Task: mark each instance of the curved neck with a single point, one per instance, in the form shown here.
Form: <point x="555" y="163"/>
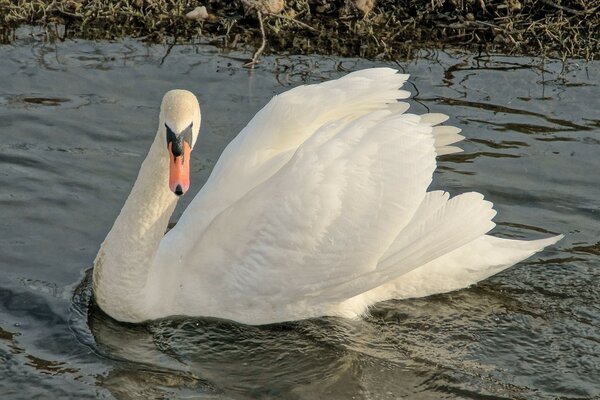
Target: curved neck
<point x="122" y="264"/>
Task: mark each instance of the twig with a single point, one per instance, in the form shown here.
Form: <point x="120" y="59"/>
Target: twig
<point x="252" y="63"/>
<point x="302" y="24"/>
<point x="162" y="60"/>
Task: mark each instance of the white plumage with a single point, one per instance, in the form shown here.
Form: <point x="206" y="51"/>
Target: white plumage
<point x="318" y="207"/>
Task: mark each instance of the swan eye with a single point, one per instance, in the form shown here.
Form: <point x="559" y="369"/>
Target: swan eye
<point x="177" y="140"/>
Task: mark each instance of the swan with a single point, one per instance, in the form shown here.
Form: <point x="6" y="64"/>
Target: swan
<point x="319" y="207"/>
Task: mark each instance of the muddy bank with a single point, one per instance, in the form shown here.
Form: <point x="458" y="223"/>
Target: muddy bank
<point x="385" y="29"/>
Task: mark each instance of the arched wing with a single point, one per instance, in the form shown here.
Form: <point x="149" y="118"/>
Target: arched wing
<point x="325" y="217"/>
<point x="311" y="193"/>
<point x="274" y="134"/>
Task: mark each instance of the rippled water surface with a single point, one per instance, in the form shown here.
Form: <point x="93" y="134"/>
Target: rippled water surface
<point x="76" y="119"/>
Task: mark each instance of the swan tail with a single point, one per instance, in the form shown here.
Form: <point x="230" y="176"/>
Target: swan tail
<point x="443" y="248"/>
<point x="479" y="260"/>
<point x="468" y="265"/>
<point x="461" y="268"/>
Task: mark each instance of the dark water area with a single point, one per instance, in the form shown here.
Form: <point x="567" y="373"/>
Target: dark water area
<point x="76" y="120"/>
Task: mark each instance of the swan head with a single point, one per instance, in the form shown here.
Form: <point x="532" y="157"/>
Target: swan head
<point x="179" y="127"/>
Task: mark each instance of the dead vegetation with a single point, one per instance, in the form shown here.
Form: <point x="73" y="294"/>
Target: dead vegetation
<point x="366" y="28"/>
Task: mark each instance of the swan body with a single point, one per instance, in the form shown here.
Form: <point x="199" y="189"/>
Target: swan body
<point x="318" y="207"/>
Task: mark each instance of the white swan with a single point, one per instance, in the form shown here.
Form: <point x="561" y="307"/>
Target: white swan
<point x="318" y="207"/>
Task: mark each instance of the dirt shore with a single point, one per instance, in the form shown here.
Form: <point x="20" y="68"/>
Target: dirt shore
<point x="385" y="29"/>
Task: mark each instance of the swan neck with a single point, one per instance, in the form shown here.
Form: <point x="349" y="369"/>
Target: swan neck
<point x="123" y="262"/>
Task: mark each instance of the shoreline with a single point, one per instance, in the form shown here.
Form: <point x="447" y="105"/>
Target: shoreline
<point x="388" y="30"/>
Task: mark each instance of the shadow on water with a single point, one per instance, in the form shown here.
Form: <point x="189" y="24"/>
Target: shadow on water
<point x="76" y="119"/>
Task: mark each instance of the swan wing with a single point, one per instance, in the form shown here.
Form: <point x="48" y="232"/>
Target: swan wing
<point x="438" y="226"/>
<point x="274" y="134"/>
<point x="271" y="137"/>
<point x="310" y="195"/>
<point x="323" y="219"/>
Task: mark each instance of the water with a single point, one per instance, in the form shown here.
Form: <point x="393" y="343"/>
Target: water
<point x="76" y="119"/>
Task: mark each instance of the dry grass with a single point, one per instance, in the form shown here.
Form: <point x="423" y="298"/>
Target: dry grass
<point x="393" y="28"/>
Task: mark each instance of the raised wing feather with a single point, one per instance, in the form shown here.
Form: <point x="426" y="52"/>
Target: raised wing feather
<point x="273" y="135"/>
<point x="439" y="226"/>
<point x="326" y="217"/>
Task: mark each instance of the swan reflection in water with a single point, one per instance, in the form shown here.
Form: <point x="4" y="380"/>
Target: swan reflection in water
<point x="399" y="348"/>
<point x="217" y="357"/>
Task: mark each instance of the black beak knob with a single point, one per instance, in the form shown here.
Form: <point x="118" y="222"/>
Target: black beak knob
<point x="178" y="190"/>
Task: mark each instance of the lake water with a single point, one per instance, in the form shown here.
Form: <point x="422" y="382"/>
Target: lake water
<point x="76" y="119"/>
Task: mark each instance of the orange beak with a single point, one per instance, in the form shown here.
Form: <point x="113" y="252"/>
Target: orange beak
<point x="179" y="170"/>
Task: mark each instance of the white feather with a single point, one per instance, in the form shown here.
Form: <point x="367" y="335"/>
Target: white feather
<point x="444" y="150"/>
<point x="433" y="118"/>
